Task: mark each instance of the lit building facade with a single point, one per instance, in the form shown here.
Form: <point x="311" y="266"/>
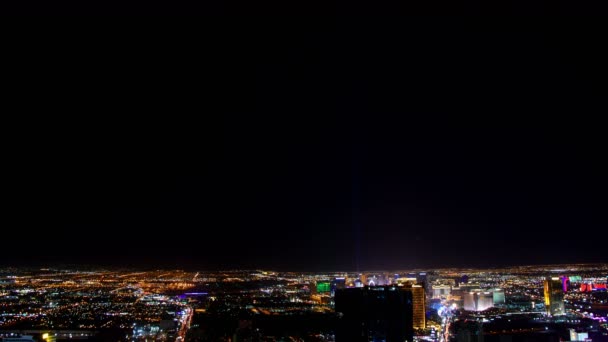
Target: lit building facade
<point x="498" y="296"/>
<point x="323" y="287"/>
<point x="440" y="291"/>
<point x="478" y="300"/>
<point x="419" y="306"/>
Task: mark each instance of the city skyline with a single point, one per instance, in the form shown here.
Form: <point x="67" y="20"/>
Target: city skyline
<point x="540" y="303"/>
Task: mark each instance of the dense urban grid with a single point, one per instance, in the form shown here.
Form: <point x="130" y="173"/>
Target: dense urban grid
<point x="528" y="303"/>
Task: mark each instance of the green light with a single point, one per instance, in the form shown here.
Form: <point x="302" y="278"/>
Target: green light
<point x="323" y="287"/>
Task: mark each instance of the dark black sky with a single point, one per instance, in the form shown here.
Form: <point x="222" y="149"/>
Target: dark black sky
<point x="386" y="144"/>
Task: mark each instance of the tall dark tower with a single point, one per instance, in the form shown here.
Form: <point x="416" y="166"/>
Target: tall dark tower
<point x="423" y="278"/>
<point x="554" y="296"/>
<point x="374" y="313"/>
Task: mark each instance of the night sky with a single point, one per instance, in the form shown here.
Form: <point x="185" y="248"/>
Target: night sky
<point x="395" y="144"/>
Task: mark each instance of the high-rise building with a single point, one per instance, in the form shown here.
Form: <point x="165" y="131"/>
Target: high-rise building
<point x="485" y="300"/>
<point x="323" y="287"/>
<point x="419" y="306"/>
<point x="424" y="280"/>
<point x="418" y="300"/>
<point x="469" y="301"/>
<point x="312" y="287"/>
<point x="565" y="283"/>
<point x="338" y="283"/>
<point x="554" y="296"/>
<point x="440" y="291"/>
<point x="499" y="296"/>
<point x="478" y="300"/>
<point x="406" y="281"/>
<point x="379" y="313"/>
